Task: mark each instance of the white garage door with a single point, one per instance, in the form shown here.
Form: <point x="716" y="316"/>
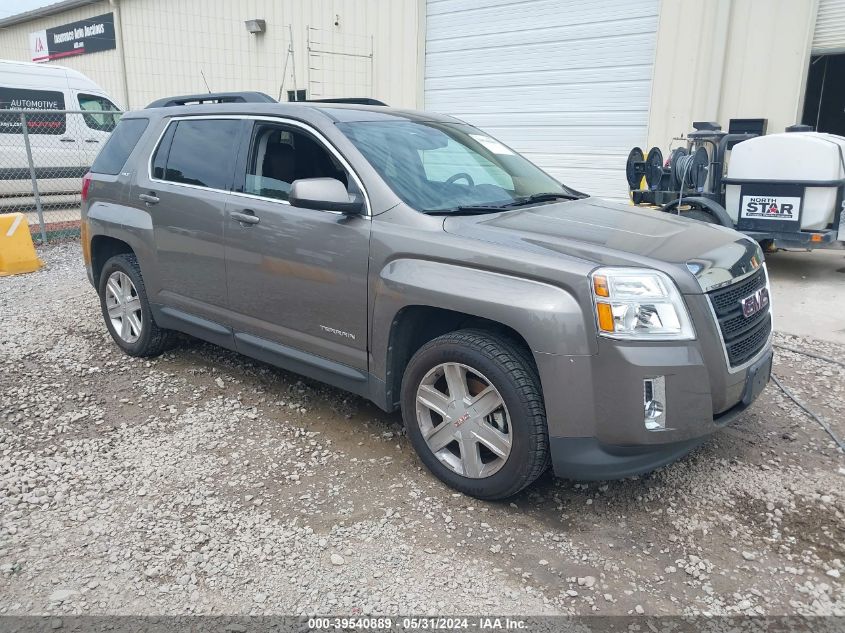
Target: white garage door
<point x="829" y="36"/>
<point x="565" y="82"/>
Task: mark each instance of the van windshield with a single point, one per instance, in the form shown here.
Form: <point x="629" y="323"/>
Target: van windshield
<point x="438" y="167"/>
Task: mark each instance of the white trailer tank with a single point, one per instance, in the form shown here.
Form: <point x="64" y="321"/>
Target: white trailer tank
<point x="789" y="158"/>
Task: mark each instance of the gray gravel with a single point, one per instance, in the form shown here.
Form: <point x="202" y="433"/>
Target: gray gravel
<point x="203" y="482"/>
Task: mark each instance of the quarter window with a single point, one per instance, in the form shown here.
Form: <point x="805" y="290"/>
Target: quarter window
<point x="201" y="152"/>
<point x="116" y="151"/>
<point x="104" y="114"/>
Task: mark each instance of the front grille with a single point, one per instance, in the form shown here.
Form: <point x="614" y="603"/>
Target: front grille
<point x="744" y="337"/>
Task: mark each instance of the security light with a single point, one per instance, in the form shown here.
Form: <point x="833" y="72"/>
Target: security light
<point x="255" y="26"/>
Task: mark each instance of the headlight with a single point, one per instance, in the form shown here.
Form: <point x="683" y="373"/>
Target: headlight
<point x="639" y="304"/>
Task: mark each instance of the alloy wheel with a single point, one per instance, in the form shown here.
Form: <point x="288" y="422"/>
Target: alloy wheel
<point x="124" y="307"/>
<point x="464" y="420"/>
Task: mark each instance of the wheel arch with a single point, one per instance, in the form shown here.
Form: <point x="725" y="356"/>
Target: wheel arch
<point x="416" y="301"/>
<point x="103" y="248"/>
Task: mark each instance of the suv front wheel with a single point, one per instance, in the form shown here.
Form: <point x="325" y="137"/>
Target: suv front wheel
<point x="474" y="412"/>
<point x="123" y="300"/>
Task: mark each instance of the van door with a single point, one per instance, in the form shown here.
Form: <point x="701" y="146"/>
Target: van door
<point x="55" y="151"/>
<point x="93" y="130"/>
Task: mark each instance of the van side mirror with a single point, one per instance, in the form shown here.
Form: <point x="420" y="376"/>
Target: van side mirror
<point x="324" y="194"/>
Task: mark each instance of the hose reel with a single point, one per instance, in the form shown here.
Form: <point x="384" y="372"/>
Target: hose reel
<point x="689" y="171"/>
<point x="638" y="166"/>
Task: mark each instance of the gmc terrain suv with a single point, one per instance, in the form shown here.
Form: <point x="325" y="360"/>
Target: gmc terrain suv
<point x="414" y="260"/>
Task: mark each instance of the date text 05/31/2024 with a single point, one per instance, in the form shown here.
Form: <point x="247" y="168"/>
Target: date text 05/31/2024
<point x="483" y="623"/>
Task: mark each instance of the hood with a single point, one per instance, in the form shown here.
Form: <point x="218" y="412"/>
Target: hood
<point x="699" y="256"/>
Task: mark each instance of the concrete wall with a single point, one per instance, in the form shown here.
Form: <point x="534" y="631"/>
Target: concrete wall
<point x="724" y="59"/>
<point x="170" y="44"/>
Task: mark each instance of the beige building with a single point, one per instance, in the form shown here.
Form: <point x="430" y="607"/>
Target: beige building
<point x="328" y="48"/>
<point x="573" y="84"/>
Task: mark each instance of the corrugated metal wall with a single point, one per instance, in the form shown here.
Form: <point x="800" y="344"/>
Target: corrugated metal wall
<point x="829" y="36"/>
<point x="170" y="44"/>
<point x="566" y="82"/>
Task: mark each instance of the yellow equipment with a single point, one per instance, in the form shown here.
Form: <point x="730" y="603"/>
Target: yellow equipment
<point x="17" y="253"/>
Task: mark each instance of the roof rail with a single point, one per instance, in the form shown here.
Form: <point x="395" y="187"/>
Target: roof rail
<point x="213" y="97"/>
<point x="351" y="100"/>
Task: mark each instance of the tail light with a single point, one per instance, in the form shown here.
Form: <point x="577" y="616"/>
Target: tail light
<point x="86" y="183"/>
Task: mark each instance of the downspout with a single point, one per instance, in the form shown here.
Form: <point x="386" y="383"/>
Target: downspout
<point x="118" y="27"/>
<point x="421" y="37"/>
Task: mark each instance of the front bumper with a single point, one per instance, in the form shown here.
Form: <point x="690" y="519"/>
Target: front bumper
<point x="588" y="459"/>
<point x="809" y="240"/>
<point x="595" y="404"/>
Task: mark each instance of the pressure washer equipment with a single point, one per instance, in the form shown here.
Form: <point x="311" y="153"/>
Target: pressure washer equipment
<point x="781" y="189"/>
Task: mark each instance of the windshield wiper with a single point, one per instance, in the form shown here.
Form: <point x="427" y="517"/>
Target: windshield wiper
<point x="467" y="209"/>
<point x="475" y="209"/>
<point x="542" y="197"/>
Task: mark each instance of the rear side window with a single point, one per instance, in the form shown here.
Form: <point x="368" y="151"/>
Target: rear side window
<point x="201" y="153"/>
<point x="122" y="141"/>
<point x="36" y="123"/>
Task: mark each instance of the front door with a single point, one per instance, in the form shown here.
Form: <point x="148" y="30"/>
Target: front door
<point x="296" y="276"/>
<point x="192" y="171"/>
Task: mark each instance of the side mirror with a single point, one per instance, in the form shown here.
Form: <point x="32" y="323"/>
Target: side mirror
<point x="323" y="194"/>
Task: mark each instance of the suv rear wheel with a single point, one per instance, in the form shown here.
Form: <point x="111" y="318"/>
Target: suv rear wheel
<point x="474" y="413"/>
<point x="123" y="300"/>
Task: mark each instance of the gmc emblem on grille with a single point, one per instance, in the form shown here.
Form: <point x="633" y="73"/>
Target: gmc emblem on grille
<point x="752" y="304"/>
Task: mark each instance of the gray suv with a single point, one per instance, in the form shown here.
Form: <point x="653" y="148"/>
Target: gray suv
<point x="413" y="260"/>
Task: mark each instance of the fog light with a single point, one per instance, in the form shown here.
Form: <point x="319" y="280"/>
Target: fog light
<point x="654" y="403"/>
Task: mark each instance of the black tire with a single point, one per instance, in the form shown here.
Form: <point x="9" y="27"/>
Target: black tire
<point x="512" y="372"/>
<point x="153" y="340"/>
<point x="700" y="215"/>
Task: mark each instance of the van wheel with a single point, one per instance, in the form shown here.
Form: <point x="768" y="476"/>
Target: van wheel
<point x="123" y="300"/>
<point x="474" y="412"/>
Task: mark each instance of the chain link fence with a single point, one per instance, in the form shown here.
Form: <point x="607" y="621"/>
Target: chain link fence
<point x="43" y="156"/>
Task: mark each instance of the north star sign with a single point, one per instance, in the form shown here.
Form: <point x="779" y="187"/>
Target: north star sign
<point x="77" y="38"/>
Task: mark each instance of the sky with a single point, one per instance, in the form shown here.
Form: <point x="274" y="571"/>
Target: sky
<point x="12" y="7"/>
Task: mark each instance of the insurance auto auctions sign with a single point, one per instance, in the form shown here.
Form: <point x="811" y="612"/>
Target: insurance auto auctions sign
<point x="77" y="38"/>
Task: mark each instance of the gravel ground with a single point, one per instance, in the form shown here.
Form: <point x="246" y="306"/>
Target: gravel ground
<point x="203" y="482"/>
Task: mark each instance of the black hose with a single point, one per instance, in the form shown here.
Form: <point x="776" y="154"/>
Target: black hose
<point x="804" y="408"/>
<point x="794" y="350"/>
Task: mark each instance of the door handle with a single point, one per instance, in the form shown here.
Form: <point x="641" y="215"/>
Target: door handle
<point x="91" y="140"/>
<point x="68" y="140"/>
<point x="148" y="198"/>
<point x="247" y="217"/>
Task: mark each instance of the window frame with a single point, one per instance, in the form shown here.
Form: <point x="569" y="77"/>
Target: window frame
<point x="240" y="158"/>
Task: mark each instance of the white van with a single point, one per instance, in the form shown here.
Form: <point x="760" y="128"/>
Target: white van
<point x="63" y="145"/>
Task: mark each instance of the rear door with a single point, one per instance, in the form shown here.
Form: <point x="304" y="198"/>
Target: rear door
<point x="185" y="188"/>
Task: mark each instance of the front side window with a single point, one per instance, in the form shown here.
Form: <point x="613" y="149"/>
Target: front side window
<point x="436" y="167"/>
<point x="103" y="116"/>
<point x="200" y="152"/>
<point x="280" y="154"/>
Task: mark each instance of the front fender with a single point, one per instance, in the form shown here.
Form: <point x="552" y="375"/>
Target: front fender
<point x="549" y="318"/>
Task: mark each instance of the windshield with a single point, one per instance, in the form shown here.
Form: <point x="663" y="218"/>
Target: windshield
<point x="438" y="167"/>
